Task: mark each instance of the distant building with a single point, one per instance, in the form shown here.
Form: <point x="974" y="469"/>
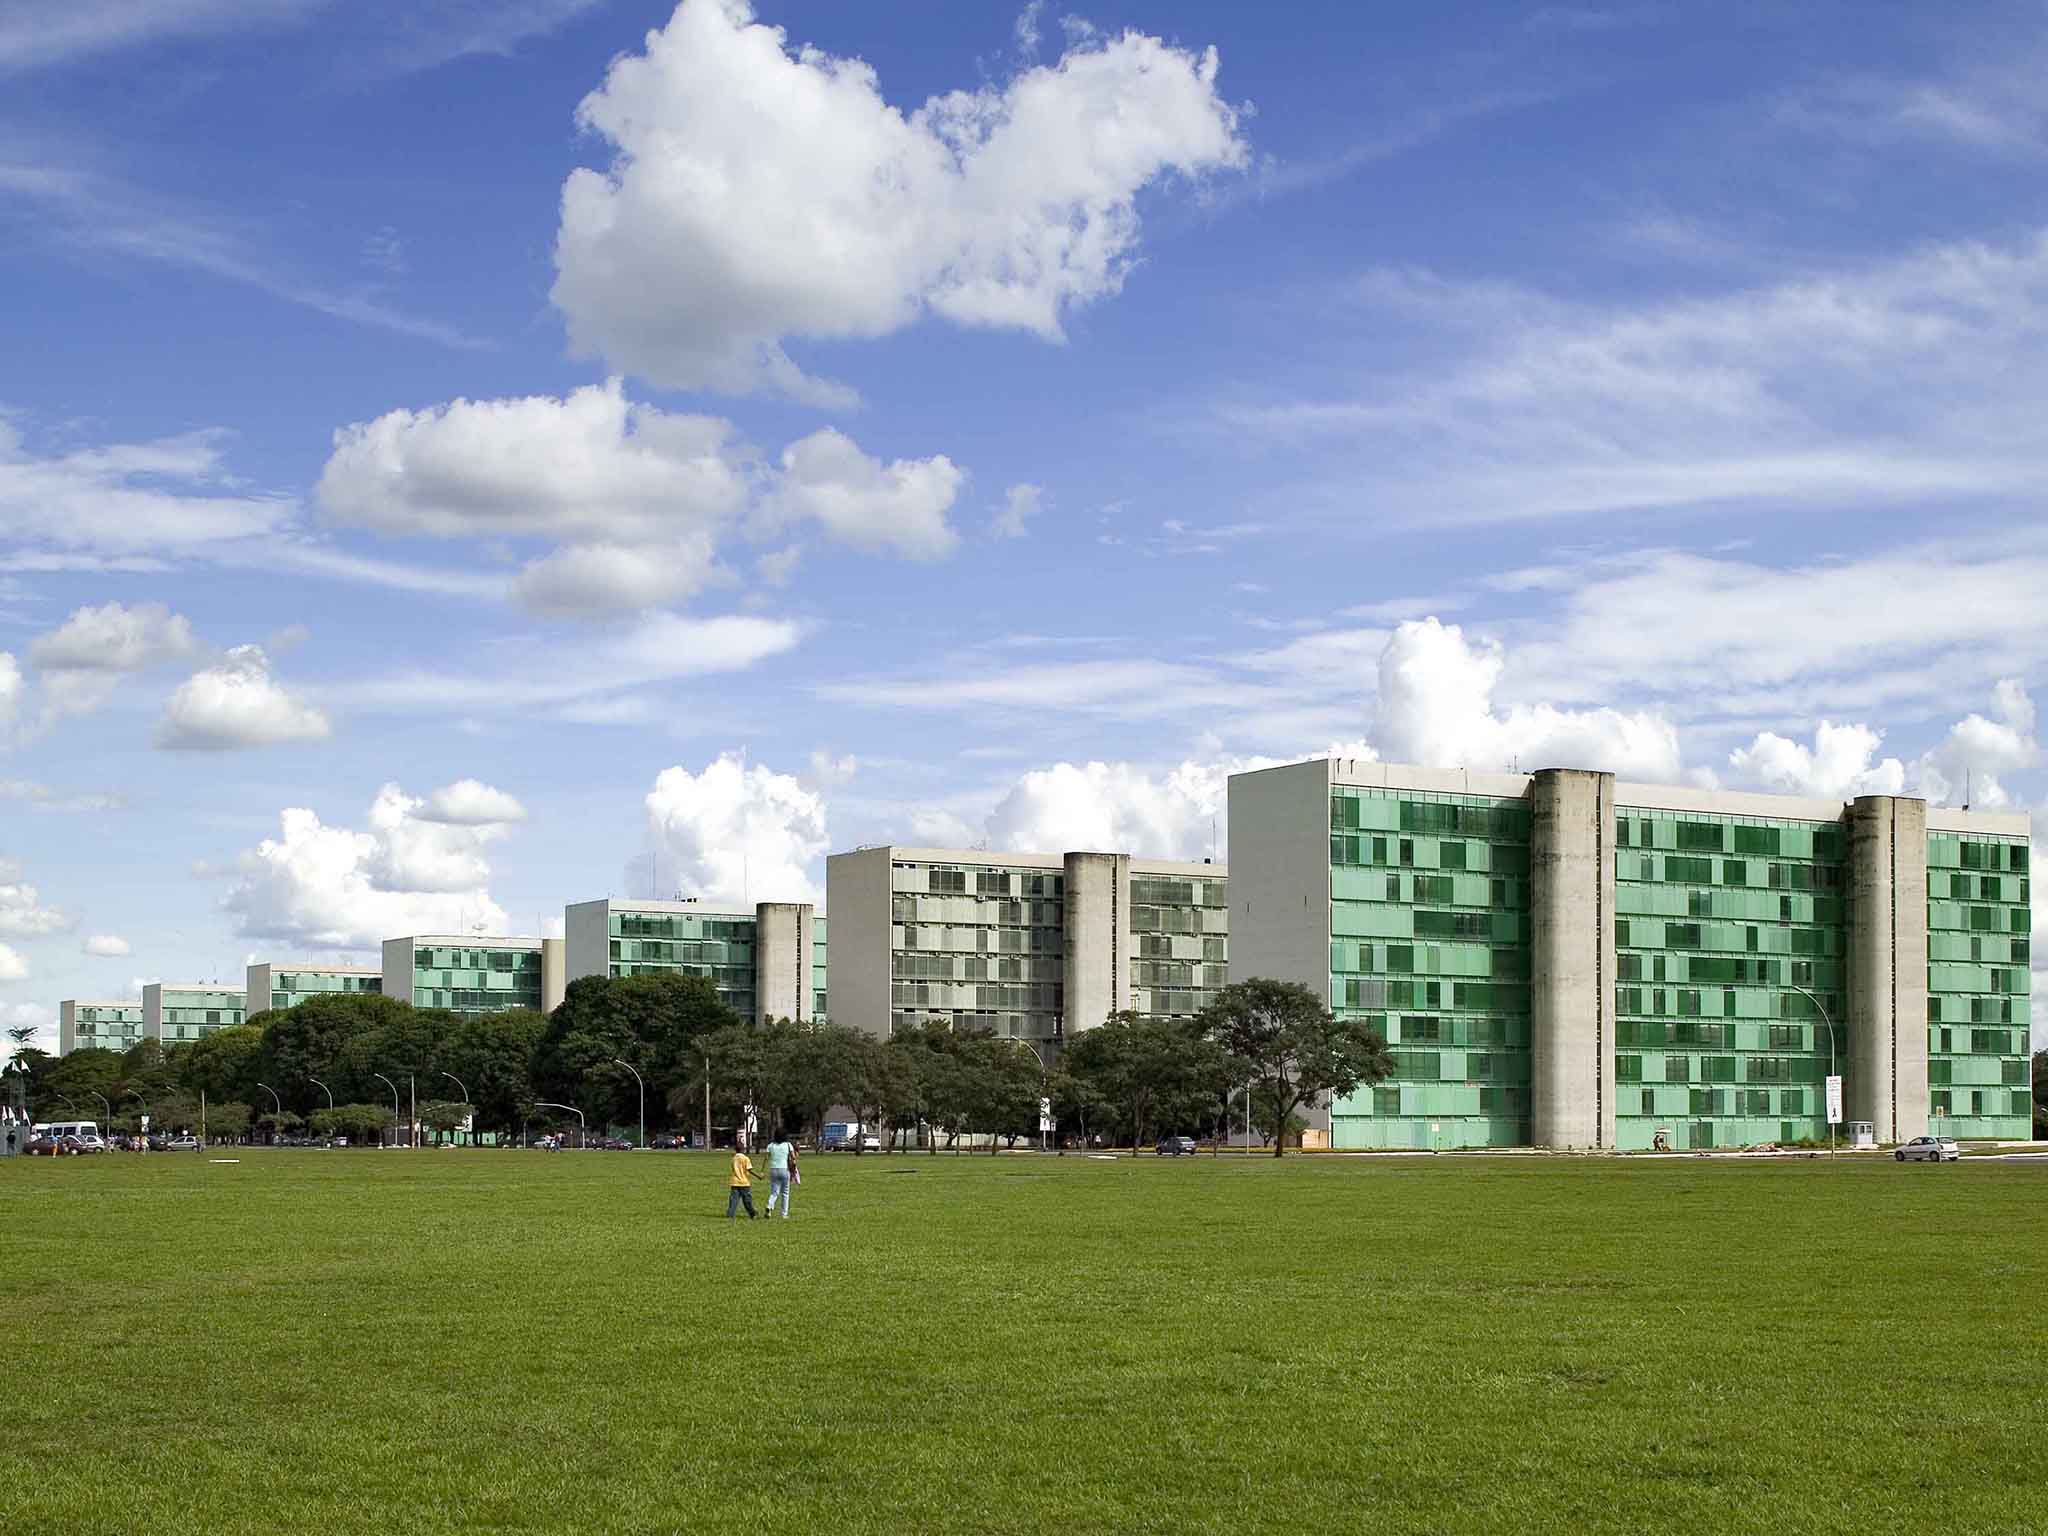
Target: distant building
<point x="1561" y="960"/>
<point x="179" y="1012"/>
<point x="272" y="985"/>
<point x="766" y="961"/>
<point x="471" y="973"/>
<point x="84" y="1024"/>
<point x="1035" y="945"/>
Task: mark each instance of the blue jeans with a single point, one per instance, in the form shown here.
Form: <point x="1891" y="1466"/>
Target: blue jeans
<point x="778" y="1189"/>
<point x="741" y="1195"/>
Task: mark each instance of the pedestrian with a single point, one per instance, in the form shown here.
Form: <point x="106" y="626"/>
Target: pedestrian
<point x="781" y="1173"/>
<point x="743" y="1177"/>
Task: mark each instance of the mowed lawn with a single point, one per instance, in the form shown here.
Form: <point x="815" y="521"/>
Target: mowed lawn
<point x="451" y="1341"/>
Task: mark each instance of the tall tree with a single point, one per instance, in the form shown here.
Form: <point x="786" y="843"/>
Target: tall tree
<point x="1293" y="1047"/>
<point x="226" y="1066"/>
<point x="654" y="1022"/>
<point x="1144" y="1065"/>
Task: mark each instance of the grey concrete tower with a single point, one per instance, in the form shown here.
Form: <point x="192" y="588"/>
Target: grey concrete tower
<point x="1571" y="960"/>
<point x="1097" y="970"/>
<point x="1887" y="965"/>
<point x="783" y="961"/>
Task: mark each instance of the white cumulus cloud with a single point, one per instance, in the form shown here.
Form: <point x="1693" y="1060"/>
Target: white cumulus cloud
<point x="1977" y="750"/>
<point x="105" y="945"/>
<point x="1841" y="764"/>
<point x="22" y="912"/>
<point x="12" y="966"/>
<point x="1435" y="708"/>
<point x="758" y="193"/>
<point x="471" y="803"/>
<point x="735" y="833"/>
<point x="1020" y="505"/>
<point x="1119" y="808"/>
<point x="859" y="500"/>
<point x="237" y="703"/>
<point x="83" y="660"/>
<point x="616" y="506"/>
<point x="339" y="888"/>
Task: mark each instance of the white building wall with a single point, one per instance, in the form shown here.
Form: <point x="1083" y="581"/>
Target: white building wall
<point x="859" y="945"/>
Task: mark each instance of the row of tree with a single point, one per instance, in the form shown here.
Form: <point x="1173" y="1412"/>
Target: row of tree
<point x="334" y="1063"/>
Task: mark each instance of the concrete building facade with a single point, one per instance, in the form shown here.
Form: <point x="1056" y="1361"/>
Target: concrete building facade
<point x="472" y="973"/>
<point x="179" y="1012"/>
<point x="1032" y="945"/>
<point x="767" y="961"/>
<point x="1557" y="959"/>
<point x="97" y="1023"/>
<point x="276" y="985"/>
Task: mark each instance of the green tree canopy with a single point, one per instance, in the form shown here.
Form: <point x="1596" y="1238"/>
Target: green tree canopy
<point x="226" y="1065"/>
<point x="1147" y="1068"/>
<point x="1292" y="1047"/>
<point x="653" y="1022"/>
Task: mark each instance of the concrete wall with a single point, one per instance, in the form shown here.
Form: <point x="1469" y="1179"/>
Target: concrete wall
<point x="1571" y="866"/>
<point x="858" y="979"/>
<point x="1886" y="1080"/>
<point x="782" y="960"/>
<point x="587" y="949"/>
<point x="397" y="959"/>
<point x="153" y="1011"/>
<point x="1097" y="971"/>
<point x="1280" y="882"/>
<point x="554" y="973"/>
<point x="67" y="1026"/>
<point x="257" y="990"/>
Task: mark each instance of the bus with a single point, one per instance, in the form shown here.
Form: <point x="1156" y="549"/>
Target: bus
<point x="87" y="1131"/>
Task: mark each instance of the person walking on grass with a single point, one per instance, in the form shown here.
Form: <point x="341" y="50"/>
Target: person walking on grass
<point x="781" y="1173"/>
<point x="743" y="1177"/>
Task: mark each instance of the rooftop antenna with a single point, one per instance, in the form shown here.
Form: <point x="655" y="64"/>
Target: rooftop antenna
<point x="1212" y="837"/>
<point x="1966" y="789"/>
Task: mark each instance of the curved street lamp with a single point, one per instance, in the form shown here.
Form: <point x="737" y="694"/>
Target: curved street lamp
<point x="618" y="1061"/>
<point x="1822" y="1009"/>
<point x="274" y="1099"/>
<point x="110" y="1108"/>
<point x="581" y="1123"/>
<point x="138" y="1098"/>
<point x="394" y="1095"/>
<point x="324" y="1089"/>
<point x="465" y="1097"/>
<point x="1038" y="1056"/>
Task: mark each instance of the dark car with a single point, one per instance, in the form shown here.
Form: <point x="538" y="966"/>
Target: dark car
<point x="1175" y="1146"/>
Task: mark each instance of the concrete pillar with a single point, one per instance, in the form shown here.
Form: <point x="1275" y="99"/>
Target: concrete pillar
<point x="783" y="960"/>
<point x="1886" y="1032"/>
<point x="554" y="973"/>
<point x="1571" y="867"/>
<point x="1097" y="969"/>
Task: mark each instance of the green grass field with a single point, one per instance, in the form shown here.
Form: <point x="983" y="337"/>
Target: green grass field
<point x="442" y="1341"/>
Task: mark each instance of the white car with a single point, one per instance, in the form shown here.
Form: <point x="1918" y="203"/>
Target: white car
<point x="1929" y="1149"/>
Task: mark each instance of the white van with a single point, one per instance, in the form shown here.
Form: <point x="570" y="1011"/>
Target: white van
<point x="87" y="1131"/>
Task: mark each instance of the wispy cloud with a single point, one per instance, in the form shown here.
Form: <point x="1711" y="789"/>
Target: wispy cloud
<point x="34" y="34"/>
<point x="101" y="213"/>
<point x="1910" y="380"/>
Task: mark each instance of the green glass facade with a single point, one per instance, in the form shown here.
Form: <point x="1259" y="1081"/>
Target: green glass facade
<point x="105" y="1026"/>
<point x="1429" y="945"/>
<point x="719" y="945"/>
<point x="979" y="946"/>
<point x="467" y="979"/>
<point x="1979" y="950"/>
<point x="1179" y="943"/>
<point x="290" y="988"/>
<point x="1718" y="919"/>
<point x="189" y="1014"/>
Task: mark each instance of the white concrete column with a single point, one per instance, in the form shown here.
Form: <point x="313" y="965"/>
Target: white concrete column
<point x="1097" y="970"/>
<point x="783" y="963"/>
<point x="554" y="973"/>
<point x="1571" y="867"/>
<point x="1886" y="1033"/>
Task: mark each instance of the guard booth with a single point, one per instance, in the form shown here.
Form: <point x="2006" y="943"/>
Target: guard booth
<point x="1862" y="1135"/>
<point x="13" y="1137"/>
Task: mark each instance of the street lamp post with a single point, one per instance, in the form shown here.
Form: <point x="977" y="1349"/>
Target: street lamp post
<point x="1822" y="1009"/>
<point x="705" y="1052"/>
<point x="277" y="1106"/>
<point x="618" y="1061"/>
<point x="582" y="1125"/>
<point x="394" y="1095"/>
<point x="109" y="1107"/>
<point x="1032" y="1047"/>
<point x="138" y="1098"/>
<point x="324" y="1089"/>
<point x="465" y="1102"/>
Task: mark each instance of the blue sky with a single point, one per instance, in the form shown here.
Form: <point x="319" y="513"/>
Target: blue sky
<point x="461" y="458"/>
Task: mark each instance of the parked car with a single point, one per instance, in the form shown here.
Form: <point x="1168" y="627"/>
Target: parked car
<point x="181" y="1143"/>
<point x="84" y="1144"/>
<point x="1175" y="1146"/>
<point x="46" y="1146"/>
<point x="1929" y="1149"/>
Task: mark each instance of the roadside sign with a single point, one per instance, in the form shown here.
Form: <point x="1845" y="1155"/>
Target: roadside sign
<point x="1045" y="1114"/>
<point x="1834" y="1101"/>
